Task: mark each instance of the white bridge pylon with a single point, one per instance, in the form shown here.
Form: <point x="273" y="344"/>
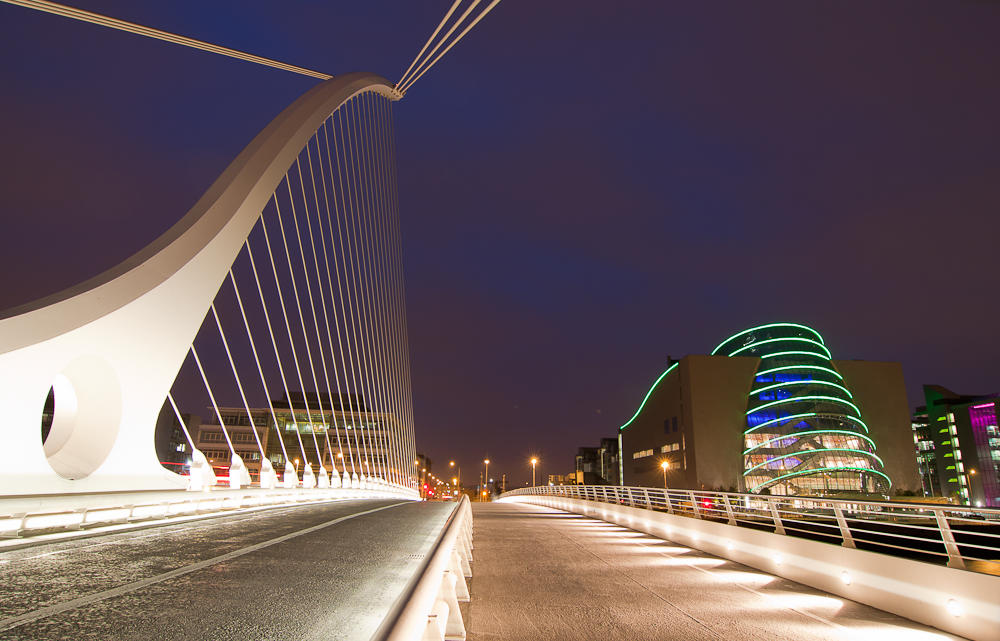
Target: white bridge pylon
<point x="111" y="347"/>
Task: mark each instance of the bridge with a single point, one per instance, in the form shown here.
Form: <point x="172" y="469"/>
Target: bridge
<point x="295" y="513"/>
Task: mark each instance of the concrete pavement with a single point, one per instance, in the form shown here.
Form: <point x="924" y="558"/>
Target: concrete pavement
<point x="545" y="574"/>
<point x="327" y="571"/>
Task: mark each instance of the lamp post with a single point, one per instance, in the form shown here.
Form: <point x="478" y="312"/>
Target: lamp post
<point x="487" y="461"/>
<point x="664" y="465"/>
<point x="534" y="462"/>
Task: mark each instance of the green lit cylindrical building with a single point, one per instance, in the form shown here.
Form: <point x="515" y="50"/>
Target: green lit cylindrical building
<point x="803" y="434"/>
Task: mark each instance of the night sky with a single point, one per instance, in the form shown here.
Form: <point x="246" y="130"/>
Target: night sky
<point x="585" y="187"/>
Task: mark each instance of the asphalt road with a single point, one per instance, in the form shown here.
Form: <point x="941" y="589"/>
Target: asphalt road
<point x="327" y="571"/>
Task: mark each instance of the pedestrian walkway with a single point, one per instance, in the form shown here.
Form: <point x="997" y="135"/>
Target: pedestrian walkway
<point x="542" y="574"/>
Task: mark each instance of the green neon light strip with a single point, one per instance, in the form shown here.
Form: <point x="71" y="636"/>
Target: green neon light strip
<point x="777" y="385"/>
<point x="806" y="415"/>
<point x="781" y="340"/>
<point x="806" y="452"/>
<point x="754" y="329"/>
<point x="643" y="404"/>
<point x="798" y="434"/>
<point x="821" y="469"/>
<point x="777" y="354"/>
<point x="787" y="367"/>
<point x="799" y="399"/>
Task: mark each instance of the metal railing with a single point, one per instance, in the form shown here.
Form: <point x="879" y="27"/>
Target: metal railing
<point x="957" y="536"/>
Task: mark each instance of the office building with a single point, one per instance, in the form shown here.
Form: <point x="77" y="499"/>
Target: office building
<point x="598" y="465"/>
<point x="962" y="446"/>
<point x="770" y="411"/>
<point x="304" y="430"/>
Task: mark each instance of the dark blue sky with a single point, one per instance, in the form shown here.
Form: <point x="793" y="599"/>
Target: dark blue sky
<point x="585" y="187"/>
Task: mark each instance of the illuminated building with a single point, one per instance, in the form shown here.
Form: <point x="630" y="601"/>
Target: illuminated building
<point x="344" y="433"/>
<point x="923" y="443"/>
<point x="966" y="445"/>
<point x="770" y="411"/>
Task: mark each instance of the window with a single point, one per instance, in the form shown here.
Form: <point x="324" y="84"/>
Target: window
<point x="642" y="454"/>
<point x="670" y="447"/>
<point x="674" y="428"/>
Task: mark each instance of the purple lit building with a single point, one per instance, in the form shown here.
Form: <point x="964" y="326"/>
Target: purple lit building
<point x="966" y="445"/>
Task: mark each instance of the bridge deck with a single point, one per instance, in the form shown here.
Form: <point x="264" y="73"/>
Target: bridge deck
<point x="285" y="573"/>
<point x="545" y="574"/>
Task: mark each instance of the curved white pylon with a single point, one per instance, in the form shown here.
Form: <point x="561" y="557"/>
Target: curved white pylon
<point x="112" y="346"/>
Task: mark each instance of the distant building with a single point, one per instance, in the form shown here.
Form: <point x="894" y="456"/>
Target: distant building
<point x="923" y="443"/>
<point x="598" y="465"/>
<point x="309" y="428"/>
<point x="424" y="467"/>
<point x="769" y="411"/>
<point x="173" y="450"/>
<point x="964" y="441"/>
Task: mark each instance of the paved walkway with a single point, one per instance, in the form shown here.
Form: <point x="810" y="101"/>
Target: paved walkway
<point x="542" y="574"/>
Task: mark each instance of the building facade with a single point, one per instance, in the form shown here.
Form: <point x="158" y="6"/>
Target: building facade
<point x="173" y="449"/>
<point x="963" y="438"/>
<point x="923" y="443"/>
<point x="304" y="430"/>
<point x="770" y="411"/>
<point x="598" y="465"/>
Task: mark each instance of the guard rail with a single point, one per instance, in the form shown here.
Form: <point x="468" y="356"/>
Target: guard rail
<point x="960" y="537"/>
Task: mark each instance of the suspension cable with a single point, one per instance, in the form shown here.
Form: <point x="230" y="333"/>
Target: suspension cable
<point x="149" y="32"/>
<point x="333" y="248"/>
<point x="256" y="358"/>
<point x="239" y="384"/>
<point x="281" y="301"/>
<point x="402" y="88"/>
<point x="430" y="40"/>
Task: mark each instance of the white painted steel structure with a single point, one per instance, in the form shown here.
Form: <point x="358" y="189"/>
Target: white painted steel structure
<point x="792" y="538"/>
<point x="111" y="347"/>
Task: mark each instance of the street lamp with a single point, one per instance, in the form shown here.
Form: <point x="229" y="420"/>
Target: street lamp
<point x="534" y="462"/>
<point x="487" y="461"/>
<point x="664" y="465"/>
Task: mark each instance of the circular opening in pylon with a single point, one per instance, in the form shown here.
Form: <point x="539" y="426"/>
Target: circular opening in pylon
<point x="81" y="417"/>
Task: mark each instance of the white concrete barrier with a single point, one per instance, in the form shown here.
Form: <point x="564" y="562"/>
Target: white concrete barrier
<point x="430" y="611"/>
<point x="19" y="515"/>
<point x="956" y="601"/>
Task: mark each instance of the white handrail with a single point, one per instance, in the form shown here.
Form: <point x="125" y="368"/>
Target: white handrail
<point x="927" y="531"/>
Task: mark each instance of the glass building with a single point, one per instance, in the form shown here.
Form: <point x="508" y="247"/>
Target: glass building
<point x="803" y="434"/>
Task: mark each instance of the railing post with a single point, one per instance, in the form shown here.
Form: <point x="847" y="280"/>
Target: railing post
<point x="729" y="509"/>
<point x="694" y="505"/>
<point x="955" y="559"/>
<point x="845" y="531"/>
<point x="645" y="495"/>
<point x="666" y="499"/>
<point x="631" y="499"/>
<point x="779" y="528"/>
